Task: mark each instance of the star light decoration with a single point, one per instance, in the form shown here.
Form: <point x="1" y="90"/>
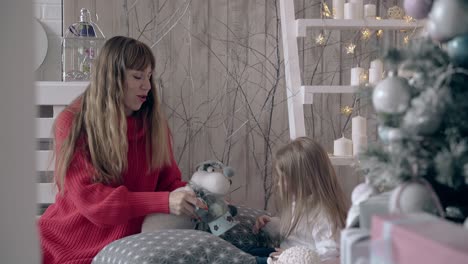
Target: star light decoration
<point x="379" y="33"/>
<point x="347" y="110"/>
<point x="320" y="39"/>
<point x="406" y="40"/>
<point x="350" y="48"/>
<point x="363" y="77"/>
<point x="366" y="34"/>
<point x="326" y="11"/>
<point x="409" y="19"/>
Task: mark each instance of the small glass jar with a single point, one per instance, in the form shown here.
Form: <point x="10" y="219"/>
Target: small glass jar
<point x="80" y="46"/>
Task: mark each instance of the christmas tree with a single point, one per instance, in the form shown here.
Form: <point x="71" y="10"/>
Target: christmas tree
<point x="422" y="109"/>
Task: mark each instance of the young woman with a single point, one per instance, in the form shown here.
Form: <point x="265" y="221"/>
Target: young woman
<point x="312" y="204"/>
<point x="114" y="160"/>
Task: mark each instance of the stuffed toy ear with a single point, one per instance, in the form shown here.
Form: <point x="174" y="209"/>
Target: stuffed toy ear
<point x="228" y="171"/>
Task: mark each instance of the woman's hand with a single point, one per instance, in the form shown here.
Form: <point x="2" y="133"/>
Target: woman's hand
<point x="184" y="203"/>
<point x="260" y="223"/>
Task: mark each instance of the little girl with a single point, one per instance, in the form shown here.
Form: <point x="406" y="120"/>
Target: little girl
<point x="312" y="205"/>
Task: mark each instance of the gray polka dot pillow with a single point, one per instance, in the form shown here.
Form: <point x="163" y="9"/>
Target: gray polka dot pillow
<point x="172" y="246"/>
<point x="241" y="235"/>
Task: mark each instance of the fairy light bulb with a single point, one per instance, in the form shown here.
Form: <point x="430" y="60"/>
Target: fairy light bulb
<point x="346" y="110"/>
<point x="320" y="39"/>
<point x="366" y="34"/>
<point x="326" y="11"/>
<point x="379" y="33"/>
<point x="350" y="48"/>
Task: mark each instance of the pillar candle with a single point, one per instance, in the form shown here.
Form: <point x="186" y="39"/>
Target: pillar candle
<point x="350" y="11"/>
<point x="377" y="64"/>
<point x="359" y="126"/>
<point x="356" y="76"/>
<point x="359" y="144"/>
<point x="370" y="10"/>
<point x="338" y="9"/>
<point x="343" y="147"/>
<point x="360" y="8"/>
<point x="375" y="76"/>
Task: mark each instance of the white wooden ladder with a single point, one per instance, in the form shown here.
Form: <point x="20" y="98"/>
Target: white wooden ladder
<point x="291" y="29"/>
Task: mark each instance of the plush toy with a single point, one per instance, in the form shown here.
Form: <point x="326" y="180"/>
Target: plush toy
<point x="210" y="182"/>
<point x="361" y="193"/>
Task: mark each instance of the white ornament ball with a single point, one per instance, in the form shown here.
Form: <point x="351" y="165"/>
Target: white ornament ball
<point x="412" y="197"/>
<point x="448" y="19"/>
<point x="391" y="96"/>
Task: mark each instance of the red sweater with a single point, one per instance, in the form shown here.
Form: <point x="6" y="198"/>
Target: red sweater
<point x="88" y="216"/>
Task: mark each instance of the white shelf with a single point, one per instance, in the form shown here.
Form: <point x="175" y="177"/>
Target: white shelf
<point x="308" y="92"/>
<point x="55" y="93"/>
<point x="343" y="24"/>
<point x="341" y="161"/>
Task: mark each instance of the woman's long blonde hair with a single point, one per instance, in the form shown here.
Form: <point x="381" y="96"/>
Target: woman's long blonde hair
<point x="306" y="178"/>
<point x="101" y="118"/>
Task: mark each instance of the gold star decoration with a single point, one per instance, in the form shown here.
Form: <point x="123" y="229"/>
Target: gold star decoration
<point x="406" y="40"/>
<point x="326" y="11"/>
<point x="408" y="19"/>
<point x="350" y="48"/>
<point x="379" y="33"/>
<point x="363" y="78"/>
<point x="320" y="39"/>
<point x="366" y="34"/>
<point x="347" y="110"/>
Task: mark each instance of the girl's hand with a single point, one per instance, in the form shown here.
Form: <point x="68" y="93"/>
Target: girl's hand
<point x="260" y="223"/>
<point x="184" y="203"/>
<point x="277" y="253"/>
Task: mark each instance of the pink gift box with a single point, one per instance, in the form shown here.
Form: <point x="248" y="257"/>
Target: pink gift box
<point x="417" y="238"/>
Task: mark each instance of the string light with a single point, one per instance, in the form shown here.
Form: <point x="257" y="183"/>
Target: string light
<point x="378" y="18"/>
<point x="326" y="11"/>
<point x="366" y="34"/>
<point x="363" y="77"/>
<point x="350" y="48"/>
<point x="347" y="110"/>
<point x="408" y="19"/>
<point x="379" y="33"/>
<point x="406" y="40"/>
<point x="320" y="39"/>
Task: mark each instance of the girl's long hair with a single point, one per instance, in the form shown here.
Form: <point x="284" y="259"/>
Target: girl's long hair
<point x="101" y="119"/>
<point x="307" y="180"/>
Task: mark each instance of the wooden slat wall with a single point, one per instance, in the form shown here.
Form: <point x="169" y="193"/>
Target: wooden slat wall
<point x="218" y="46"/>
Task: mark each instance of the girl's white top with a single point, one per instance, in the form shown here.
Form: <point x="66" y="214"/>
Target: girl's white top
<point x="315" y="234"/>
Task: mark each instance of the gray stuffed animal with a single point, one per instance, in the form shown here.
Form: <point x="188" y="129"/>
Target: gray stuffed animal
<point x="211" y="182"/>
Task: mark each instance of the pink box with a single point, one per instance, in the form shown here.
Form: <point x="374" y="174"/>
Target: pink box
<point x="417" y="238"/>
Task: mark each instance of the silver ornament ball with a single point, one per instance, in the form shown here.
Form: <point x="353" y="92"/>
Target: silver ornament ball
<point x="448" y="19"/>
<point x="392" y="95"/>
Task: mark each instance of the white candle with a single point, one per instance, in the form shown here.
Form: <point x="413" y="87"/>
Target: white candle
<point x="356" y="76"/>
<point x="377" y="64"/>
<point x="350" y="11"/>
<point x="343" y="147"/>
<point x="360" y="8"/>
<point x="359" y="126"/>
<point x="370" y="10"/>
<point x="375" y="76"/>
<point x="338" y="9"/>
<point x="359" y="144"/>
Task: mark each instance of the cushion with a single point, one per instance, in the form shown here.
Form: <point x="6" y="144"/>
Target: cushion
<point x="172" y="246"/>
<point x="241" y="235"/>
